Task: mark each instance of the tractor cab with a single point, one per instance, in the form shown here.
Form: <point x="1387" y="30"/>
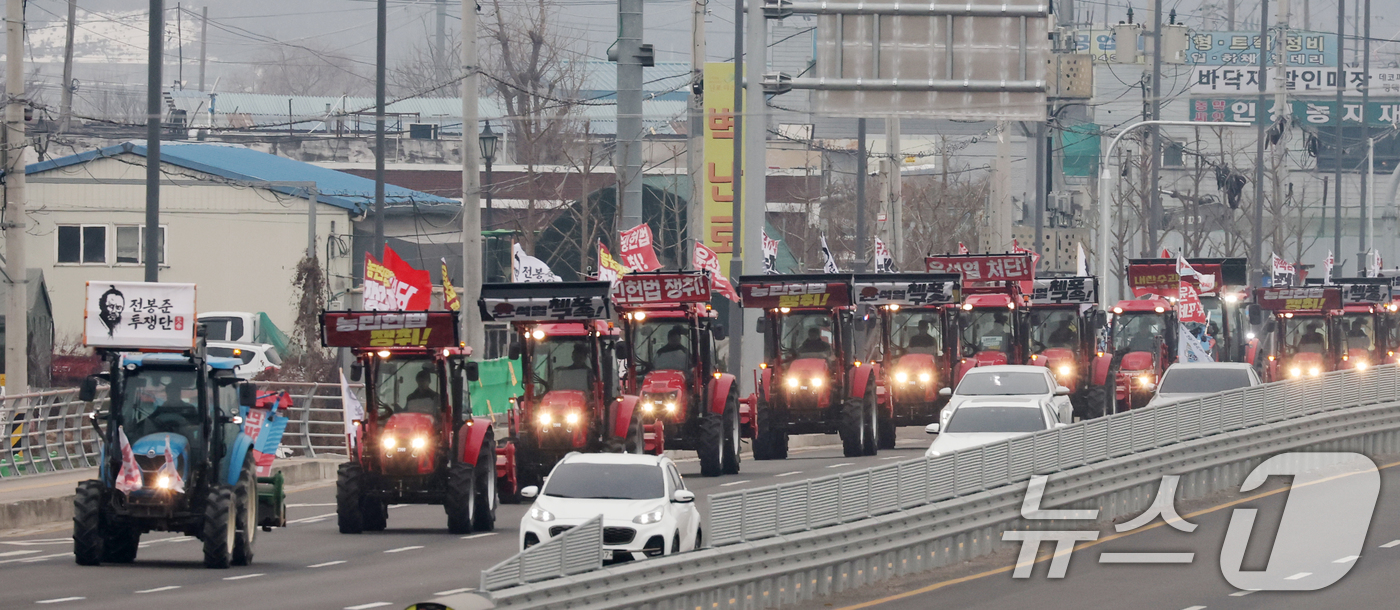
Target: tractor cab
<point x="909" y="320"/>
<point x="1223" y="288"/>
<point x="1142" y="344"/>
<point x="1304" y="329"/>
<point x="1362" y="329"/>
<point x="1062" y="329"/>
<point x="991" y="328"/>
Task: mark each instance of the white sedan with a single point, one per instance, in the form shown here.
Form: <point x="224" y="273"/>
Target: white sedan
<point x="985" y="422"/>
<point x="646" y="509"/>
<point x="1191" y="379"/>
<point x="1009" y="381"/>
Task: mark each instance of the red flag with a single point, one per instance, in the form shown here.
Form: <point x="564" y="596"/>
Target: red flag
<point x="1035" y="256"/>
<point x="395" y="285"/>
<point x="706" y="260"/>
<point x="129" y="479"/>
<point x="637" y="251"/>
<point x="962" y="249"/>
<point x="168" y="469"/>
<point x="1166" y="253"/>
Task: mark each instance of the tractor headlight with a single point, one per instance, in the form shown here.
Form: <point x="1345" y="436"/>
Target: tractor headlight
<point x="1361" y="365"/>
<point x="1295" y="372"/>
<point x="671" y="407"/>
<point x="925" y="377"/>
<point x="540" y="514"/>
<point x="1066" y="370"/>
<point x="648" y="518"/>
<point x="816" y="382"/>
<point x="648" y="406"/>
<point x="1145" y="380"/>
<point x="1314" y="371"/>
<point x="163" y="481"/>
<point x="901" y="377"/>
<point x="537" y="334"/>
<point x="571" y="418"/>
<point x="792" y="381"/>
<point x="389" y="442"/>
<point x="418" y="442"/>
<point x="546" y="418"/>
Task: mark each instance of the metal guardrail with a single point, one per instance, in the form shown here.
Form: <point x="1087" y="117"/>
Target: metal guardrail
<point x="929" y="512"/>
<point x="49" y="431"/>
<point x="580" y="549"/>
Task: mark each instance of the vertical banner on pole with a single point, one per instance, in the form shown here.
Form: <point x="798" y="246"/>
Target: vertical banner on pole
<point x="719" y="160"/>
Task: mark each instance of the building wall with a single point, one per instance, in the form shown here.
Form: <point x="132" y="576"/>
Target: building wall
<point x="240" y="245"/>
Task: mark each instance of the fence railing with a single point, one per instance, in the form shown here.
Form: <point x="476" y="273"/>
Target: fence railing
<point x="50" y="431"/>
<point x="579" y="549"/>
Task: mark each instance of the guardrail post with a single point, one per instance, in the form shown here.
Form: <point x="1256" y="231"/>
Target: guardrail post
<point x="306" y="420"/>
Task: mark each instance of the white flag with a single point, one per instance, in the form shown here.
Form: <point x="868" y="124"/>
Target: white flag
<point x="828" y="261"/>
<point x="1083" y="268"/>
<point x="351" y="409"/>
<point x="530" y="269"/>
<point x="770" y="254"/>
<point x="1189" y="348"/>
<point x="884" y="263"/>
<point x="1327" y="264"/>
<point x="1374" y="264"/>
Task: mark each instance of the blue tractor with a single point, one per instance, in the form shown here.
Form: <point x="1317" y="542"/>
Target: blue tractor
<point x="182" y="443"/>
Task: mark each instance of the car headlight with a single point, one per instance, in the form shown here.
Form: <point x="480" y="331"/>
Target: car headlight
<point x="546" y="418"/>
<point x="419" y="442"/>
<point x="1295" y="372"/>
<point x="1066" y="370"/>
<point x="540" y="514"/>
<point x="163" y="481"/>
<point x="792" y="381"/>
<point x="648" y="518"/>
<point x="571" y="418"/>
<point x="901" y="377"/>
<point x="389" y="442"/>
<point x="1314" y="371"/>
<point x="925" y="377"/>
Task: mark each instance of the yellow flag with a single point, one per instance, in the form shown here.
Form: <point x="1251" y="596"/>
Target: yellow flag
<point x="449" y="294"/>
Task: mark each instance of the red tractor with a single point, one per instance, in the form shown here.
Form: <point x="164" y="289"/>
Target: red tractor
<point x="686" y="402"/>
<point x="1142" y="344"/>
<point x="909" y="318"/>
<point x="1363" y="328"/>
<point x="417" y="441"/>
<point x="1062" y="330"/>
<point x="1224" y="295"/>
<point x="810" y="381"/>
<point x="569" y="352"/>
<point x="991" y="326"/>
<point x="1305" y="329"/>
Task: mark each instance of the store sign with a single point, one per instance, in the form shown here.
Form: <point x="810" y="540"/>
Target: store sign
<point x="1217" y="80"/>
<point x="1308" y="112"/>
<point x="139" y="315"/>
<point x="1242" y="48"/>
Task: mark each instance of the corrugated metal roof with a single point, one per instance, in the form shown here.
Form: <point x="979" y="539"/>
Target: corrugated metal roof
<point x="668" y="78"/>
<point x="246" y="165"/>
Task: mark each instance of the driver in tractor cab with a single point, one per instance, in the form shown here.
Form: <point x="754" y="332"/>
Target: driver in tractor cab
<point x="173" y="398"/>
<point x="1063" y="335"/>
<point x="922" y="342"/>
<point x="574" y="376"/>
<point x="423" y="399"/>
<point x="1312" y="339"/>
<point x="673" y="355"/>
<point x="815" y="344"/>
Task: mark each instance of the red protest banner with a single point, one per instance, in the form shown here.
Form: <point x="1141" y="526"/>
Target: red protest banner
<point x="368" y="329"/>
<point x="984" y="267"/>
<point x="637" y="251"/>
<point x="1188" y="304"/>
<point x="395" y="285"/>
<point x="706" y="260"/>
<point x="643" y="289"/>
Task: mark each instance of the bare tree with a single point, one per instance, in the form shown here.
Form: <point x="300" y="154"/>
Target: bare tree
<point x="531" y="67"/>
<point x="309" y="69"/>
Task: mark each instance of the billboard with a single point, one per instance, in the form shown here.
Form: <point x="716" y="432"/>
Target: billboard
<point x="719" y="161"/>
<point x="1321" y="112"/>
<point x="1228" y="80"/>
<point x="139" y="315"/>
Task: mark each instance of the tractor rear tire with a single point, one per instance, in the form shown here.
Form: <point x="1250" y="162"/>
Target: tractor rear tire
<point x="120" y="543"/>
<point x="245" y="496"/>
<point x="220" y="528"/>
<point x="486" y="499"/>
<point x="375" y="514"/>
<point x="87" y="524"/>
<point x="349" y="498"/>
<point x="884" y="425"/>
<point x="853" y="432"/>
<point x="461" y="498"/>
<point x="732" y="430"/>
<point x="871" y="444"/>
<point x="709" y="445"/>
<point x="636" y="436"/>
<point x="1094" y="402"/>
<point x="770" y="443"/>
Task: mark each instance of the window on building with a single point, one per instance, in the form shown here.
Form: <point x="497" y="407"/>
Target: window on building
<point x="1174" y="154"/>
<point x="82" y="244"/>
<point x="131" y="245"/>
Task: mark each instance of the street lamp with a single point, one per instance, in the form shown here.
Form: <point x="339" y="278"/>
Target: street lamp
<point x="488" y="140"/>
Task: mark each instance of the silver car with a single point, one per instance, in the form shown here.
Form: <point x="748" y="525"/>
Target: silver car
<point x="1009" y="381"/>
<point x="1189" y="380"/>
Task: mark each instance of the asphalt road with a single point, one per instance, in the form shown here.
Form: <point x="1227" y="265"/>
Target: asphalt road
<point x="311" y="565"/>
<point x="988" y="583"/>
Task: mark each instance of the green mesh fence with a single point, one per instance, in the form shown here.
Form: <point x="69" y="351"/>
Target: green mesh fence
<point x="499" y="382"/>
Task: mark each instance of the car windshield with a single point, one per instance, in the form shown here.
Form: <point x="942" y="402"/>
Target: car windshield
<point x="807" y="335"/>
<point x="1203" y="380"/>
<point x="223" y="329"/>
<point x="1304" y="334"/>
<point x="561" y="363"/>
<point x="914" y="331"/>
<point x="1137" y="332"/>
<point x="606" y="481"/>
<point x="996" y="419"/>
<point x="986" y="330"/>
<point x="1359" y="331"/>
<point x="407" y="385"/>
<point x="157" y="400"/>
<point x="1002" y="384"/>
<point x="662" y="344"/>
<point x="1054" y="329"/>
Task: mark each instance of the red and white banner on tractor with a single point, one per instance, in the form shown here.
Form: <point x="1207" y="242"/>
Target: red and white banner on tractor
<point x="638" y="252"/>
<point x="395" y="285"/>
<point x="984" y="267"/>
<point x="706" y="260"/>
<point x="642" y="289"/>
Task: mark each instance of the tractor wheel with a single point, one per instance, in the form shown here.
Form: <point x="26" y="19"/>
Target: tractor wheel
<point x="461" y="495"/>
<point x="636" y="436"/>
<point x="730" y="455"/>
<point x="709" y="445"/>
<point x="349" y="497"/>
<point x="885" y="422"/>
<point x="853" y="431"/>
<point x="220" y="528"/>
<point x="871" y="444"/>
<point x="375" y="514"/>
<point x="87" y="523"/>
<point x="486" y="500"/>
<point x="120" y="543"/>
<point x="770" y="443"/>
<point x="1094" y="402"/>
<point x="245" y="496"/>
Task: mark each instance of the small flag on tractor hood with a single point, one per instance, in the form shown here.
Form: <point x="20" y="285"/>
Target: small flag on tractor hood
<point x="129" y="479"/>
<point x="169" y="472"/>
<point x="351" y="409"/>
<point x="962" y="249"/>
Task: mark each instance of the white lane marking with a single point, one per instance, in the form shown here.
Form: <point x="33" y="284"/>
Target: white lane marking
<point x="733" y="483"/>
<point x="14" y="553"/>
<point x="327" y="564"/>
<point x="394" y="506"/>
<point x="1241" y="593"/>
<point x="368" y="606"/>
<point x="316" y="520"/>
<point x="787" y="474"/>
<point x="43" y="542"/>
<point x="893" y="457"/>
<point x="146" y="543"/>
<point x="245" y="576"/>
<point x="1299" y="576"/>
<point x="159" y="589"/>
<point x="310" y="505"/>
<point x="481" y="535"/>
<point x="403" y="548"/>
<point x="841" y="464"/>
<point x="1348" y="559"/>
<point x="1195" y="608"/>
<point x="39" y="558"/>
<point x="311" y="519"/>
<point x="59" y="600"/>
<point x="453" y="591"/>
<point x="1391" y="544"/>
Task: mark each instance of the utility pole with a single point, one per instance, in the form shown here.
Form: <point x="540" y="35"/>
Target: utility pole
<point x="1230" y="14"/>
<point x="1307" y="15"/>
<point x="755" y="167"/>
<point x="17" y="310"/>
<point x="65" y="111"/>
<point x="203" y="44"/>
<point x="1365" y="136"/>
<point x="862" y="168"/>
<point x="895" y="211"/>
<point x="1042" y="158"/>
<point x="1337" y="150"/>
<point x="1154" y="195"/>
<point x="1256" y="250"/>
<point x="154" y="59"/>
<point x="736" y="256"/>
<point x="629" y="112"/>
<point x="999" y="223"/>
<point x="1281" y="106"/>
<point x="695" y="148"/>
<point x="381" y="34"/>
<point x="472" y="255"/>
<point x="440" y="41"/>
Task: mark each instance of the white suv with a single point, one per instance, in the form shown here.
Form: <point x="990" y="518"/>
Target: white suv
<point x="256" y="357"/>
<point x="646" y="509"/>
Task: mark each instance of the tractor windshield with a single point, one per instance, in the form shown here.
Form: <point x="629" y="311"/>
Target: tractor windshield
<point x="561" y="363"/>
<point x="1304" y="335"/>
<point x="161" y="400"/>
<point x="916" y="332"/>
<point x="405" y="385"/>
<point x="1137" y="332"/>
<point x="1359" y="330"/>
<point x="986" y="330"/>
<point x="662" y="344"/>
<point x="1054" y="329"/>
<point x="807" y="335"/>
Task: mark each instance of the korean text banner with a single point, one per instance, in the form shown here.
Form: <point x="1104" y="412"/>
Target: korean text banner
<point x="1236" y="80"/>
<point x="906" y="289"/>
<point x="651" y="289"/>
<point x="395" y="285"/>
<point x="1317" y="112"/>
<point x="719" y="160"/>
<point x="706" y="260"/>
<point x="139" y="315"/>
<point x="1049" y="291"/>
<point x="638" y="250"/>
<point x="1370" y="293"/>
<point x="369" y="329"/>
<point x="767" y="291"/>
<point x="1304" y="48"/>
<point x="545" y="302"/>
<point x="1312" y="298"/>
<point x="984" y="267"/>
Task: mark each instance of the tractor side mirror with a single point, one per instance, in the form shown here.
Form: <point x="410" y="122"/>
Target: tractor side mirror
<point x="530" y="491"/>
<point x="248" y="394"/>
<point x="762" y="326"/>
<point x="473" y="371"/>
<point x="719" y="332"/>
<point x="622" y="350"/>
<point x="1100" y="319"/>
<point x="1256" y="317"/>
<point x="514" y="352"/>
<point x="1269" y="326"/>
<point x="357" y="371"/>
<point x="88" y="391"/>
